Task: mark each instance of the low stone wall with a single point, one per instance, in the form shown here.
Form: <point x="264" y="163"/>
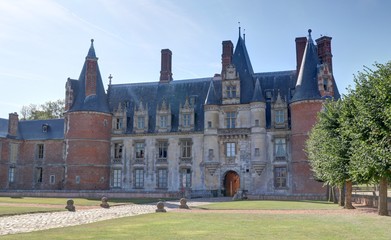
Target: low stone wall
<point x="88" y="194"/>
<point x="369" y="200"/>
<point x="288" y="197"/>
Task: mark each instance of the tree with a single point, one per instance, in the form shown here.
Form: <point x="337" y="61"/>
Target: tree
<point x="328" y="150"/>
<point x="371" y="129"/>
<point x="48" y="110"/>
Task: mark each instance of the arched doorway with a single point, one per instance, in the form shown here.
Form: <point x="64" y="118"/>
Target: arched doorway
<point x="231" y="183"/>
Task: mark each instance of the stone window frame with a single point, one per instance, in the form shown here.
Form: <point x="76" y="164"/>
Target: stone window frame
<point x="52" y="179"/>
<point x="162" y="144"/>
<point x="162" y="178"/>
<point x="230" y="119"/>
<point x="14" y="152"/>
<point x="231" y="91"/>
<point x="118" y="151"/>
<point x="163" y="121"/>
<point x="139" y="149"/>
<point x="279" y="116"/>
<point x="280" y="176"/>
<point x="257" y="152"/>
<point x="39" y="175"/>
<point x="117" y="178"/>
<point x="140" y="122"/>
<point x="230" y="149"/>
<point x="118" y="123"/>
<point x="185" y="177"/>
<point x="186" y="148"/>
<point x="139" y="178"/>
<point x="11" y="174"/>
<point x="40" y="151"/>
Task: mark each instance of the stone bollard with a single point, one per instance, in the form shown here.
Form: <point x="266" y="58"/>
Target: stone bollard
<point x="70" y="206"/>
<point x="183" y="203"/>
<point x="160" y="207"/>
<point x="104" y="203"/>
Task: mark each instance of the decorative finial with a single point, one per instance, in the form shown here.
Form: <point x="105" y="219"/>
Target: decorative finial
<point x="239" y="29"/>
<point x="244" y="34"/>
<point x="92" y="41"/>
<point x="110" y="77"/>
<point x="309" y="32"/>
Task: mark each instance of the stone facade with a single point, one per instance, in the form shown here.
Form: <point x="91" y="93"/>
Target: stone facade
<point x="236" y="131"/>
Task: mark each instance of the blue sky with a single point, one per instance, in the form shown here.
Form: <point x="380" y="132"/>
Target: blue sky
<point x="43" y="42"/>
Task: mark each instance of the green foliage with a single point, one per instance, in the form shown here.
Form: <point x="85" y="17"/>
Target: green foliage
<point x="48" y="110"/>
<point x="371" y="131"/>
<point x="327" y="147"/>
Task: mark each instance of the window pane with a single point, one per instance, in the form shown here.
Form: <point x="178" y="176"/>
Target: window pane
<point x="280" y="146"/>
<point x="139" y="150"/>
<point x="117" y="176"/>
<point x="280" y="175"/>
<point x="162" y="149"/>
<point x="230" y="149"/>
<point x="279" y="116"/>
<point x="139" y="178"/>
<point x="162" y="178"/>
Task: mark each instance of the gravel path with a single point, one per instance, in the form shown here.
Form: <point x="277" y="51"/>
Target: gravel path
<point x="41" y="221"/>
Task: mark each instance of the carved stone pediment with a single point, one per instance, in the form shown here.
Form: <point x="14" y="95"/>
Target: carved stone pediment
<point x="258" y="166"/>
<point x="211" y="167"/>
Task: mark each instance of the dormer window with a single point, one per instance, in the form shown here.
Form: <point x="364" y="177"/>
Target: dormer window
<point x="45" y="128"/>
<point x="279" y="116"/>
<point x="186" y="120"/>
<point x="163" y="121"/>
<point x="163" y="117"/>
<point x="325" y="84"/>
<point x="118" y="123"/>
<point x="119" y="120"/>
<point x="140" y="120"/>
<point x="186" y="117"/>
<point x="230" y="86"/>
<point x="231" y="91"/>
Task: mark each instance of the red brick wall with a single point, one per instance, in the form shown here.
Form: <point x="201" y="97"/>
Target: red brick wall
<point x="88" y="150"/>
<point x="303" y="117"/>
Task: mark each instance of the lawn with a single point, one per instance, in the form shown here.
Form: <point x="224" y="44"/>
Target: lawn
<point x="193" y="224"/>
<point x="23" y="205"/>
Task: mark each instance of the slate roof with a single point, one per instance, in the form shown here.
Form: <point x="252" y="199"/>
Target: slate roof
<point x="32" y="129"/>
<point x="96" y="103"/>
<point x="174" y="93"/>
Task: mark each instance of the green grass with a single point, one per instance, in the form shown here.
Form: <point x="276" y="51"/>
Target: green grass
<point x="15" y="210"/>
<point x="270" y="205"/>
<point x="196" y="225"/>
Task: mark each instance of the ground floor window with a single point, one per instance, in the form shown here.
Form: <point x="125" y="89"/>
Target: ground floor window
<point x="52" y="179"/>
<point x="280" y="177"/>
<point x="139" y="178"/>
<point x="117" y="177"/>
<point x="186" y="178"/>
<point x="39" y="174"/>
<point x="11" y="174"/>
<point x="162" y="180"/>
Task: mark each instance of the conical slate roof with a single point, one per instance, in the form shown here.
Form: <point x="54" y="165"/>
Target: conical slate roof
<point x="307" y="84"/>
<point x="96" y="102"/>
<point x="258" y="96"/>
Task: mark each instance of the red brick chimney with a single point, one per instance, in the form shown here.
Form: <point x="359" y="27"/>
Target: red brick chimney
<point x="300" y="47"/>
<point x="324" y="51"/>
<point x="13" y="121"/>
<point x="165" y="73"/>
<point x="226" y="56"/>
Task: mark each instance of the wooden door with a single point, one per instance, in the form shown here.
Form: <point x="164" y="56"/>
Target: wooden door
<point x="232" y="183"/>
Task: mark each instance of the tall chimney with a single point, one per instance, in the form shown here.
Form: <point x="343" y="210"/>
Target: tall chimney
<point x="300" y="47"/>
<point x="13" y="121"/>
<point x="324" y="51"/>
<point x="165" y="73"/>
<point x="226" y="56"/>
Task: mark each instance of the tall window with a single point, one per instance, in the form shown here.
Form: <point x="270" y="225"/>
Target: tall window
<point x="139" y="178"/>
<point x="14" y="152"/>
<point x="231" y="91"/>
<point x="162" y="178"/>
<point x="186" y="148"/>
<point x="279" y="116"/>
<point x="39" y="174"/>
<point x="40" y="151"/>
<point x="230" y="119"/>
<point x="52" y="179"/>
<point x="140" y="122"/>
<point x="117" y="177"/>
<point x="186" y="120"/>
<point x="140" y="150"/>
<point x="162" y="148"/>
<point x="231" y="149"/>
<point x="118" y="150"/>
<point x="280" y="175"/>
<point x="325" y="84"/>
<point x="163" y="121"/>
<point x="186" y="178"/>
<point x="11" y="174"/>
<point x="280" y="147"/>
<point x="118" y="123"/>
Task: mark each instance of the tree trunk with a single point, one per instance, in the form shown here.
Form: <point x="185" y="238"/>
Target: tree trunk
<point x="341" y="194"/>
<point x="382" y="199"/>
<point x="335" y="200"/>
<point x="348" y="196"/>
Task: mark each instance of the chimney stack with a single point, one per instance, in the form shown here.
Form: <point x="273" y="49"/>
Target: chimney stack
<point x="300" y="47"/>
<point x="13" y="121"/>
<point x="324" y="51"/>
<point x="165" y="73"/>
<point x="226" y="57"/>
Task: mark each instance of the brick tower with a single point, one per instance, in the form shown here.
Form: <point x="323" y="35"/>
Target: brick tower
<point x="87" y="130"/>
<point x="305" y="104"/>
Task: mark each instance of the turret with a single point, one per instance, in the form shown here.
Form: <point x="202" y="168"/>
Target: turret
<point x="87" y="130"/>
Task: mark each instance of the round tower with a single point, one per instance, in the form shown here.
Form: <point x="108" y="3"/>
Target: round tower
<point x="87" y="130"/>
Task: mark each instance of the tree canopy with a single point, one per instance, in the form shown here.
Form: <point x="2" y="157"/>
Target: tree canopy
<point x="48" y="110"/>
